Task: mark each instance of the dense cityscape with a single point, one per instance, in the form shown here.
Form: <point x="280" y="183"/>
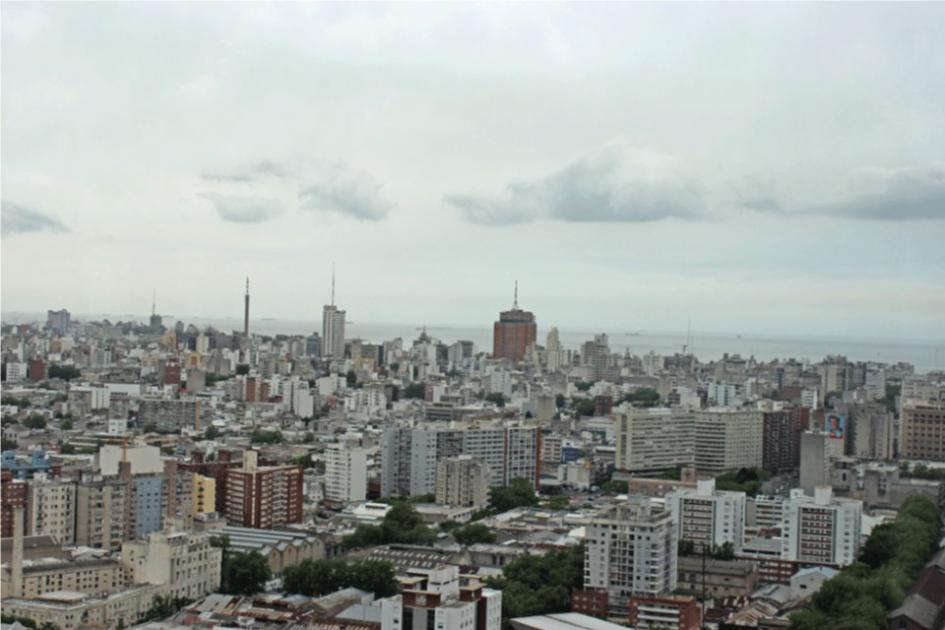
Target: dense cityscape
<point x="164" y="476"/>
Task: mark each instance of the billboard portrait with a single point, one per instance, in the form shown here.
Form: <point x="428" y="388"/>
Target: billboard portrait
<point x="835" y="425"/>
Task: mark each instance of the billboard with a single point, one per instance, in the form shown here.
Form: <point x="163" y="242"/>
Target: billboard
<point x="835" y="425"/>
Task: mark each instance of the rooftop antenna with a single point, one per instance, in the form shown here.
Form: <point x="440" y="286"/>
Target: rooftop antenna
<point x="332" y="284"/>
<point x="153" y="302"/>
<point x="515" y="302"/>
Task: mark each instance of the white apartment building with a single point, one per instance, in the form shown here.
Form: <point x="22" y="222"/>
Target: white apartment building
<point x="16" y="372"/>
<point x="728" y="439"/>
<point x="724" y="395"/>
<point x="51" y="509"/>
<point x="708" y="517"/>
<point x="655" y="439"/>
<point x="436" y="601"/>
<point x="630" y="549"/>
<point x="462" y="481"/>
<point x="345" y="473"/>
<point x="821" y="529"/>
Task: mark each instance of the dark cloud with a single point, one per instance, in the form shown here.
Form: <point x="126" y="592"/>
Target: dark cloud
<point x="341" y="189"/>
<point x="251" y="173"/>
<point x="17" y="219"/>
<point x="902" y="194"/>
<point x="237" y="209"/>
<point x="909" y="193"/>
<point x="617" y="183"/>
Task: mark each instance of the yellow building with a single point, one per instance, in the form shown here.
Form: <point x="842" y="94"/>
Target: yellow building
<point x="205" y="495"/>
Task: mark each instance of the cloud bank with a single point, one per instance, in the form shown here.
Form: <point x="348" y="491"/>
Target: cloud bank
<point x="615" y="183"/>
<point x="17" y="219"/>
<point x="318" y="186"/>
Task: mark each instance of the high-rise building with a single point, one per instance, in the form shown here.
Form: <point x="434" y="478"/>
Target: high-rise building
<point x="821" y="529"/>
<point x="630" y="549"/>
<point x="728" y="439"/>
<point x="514" y="332"/>
<point x="13" y="494"/>
<point x="246" y="311"/>
<point x="555" y="356"/>
<point x="58" y="321"/>
<point x="263" y="497"/>
<point x="596" y="359"/>
<point x="708" y="517"/>
<point x="654" y="440"/>
<point x="409" y="454"/>
<point x="333" y="327"/>
<point x="923" y="432"/>
<point x="462" y="481"/>
<point x="781" y="442"/>
<point x="345" y="473"/>
<point x="51" y="505"/>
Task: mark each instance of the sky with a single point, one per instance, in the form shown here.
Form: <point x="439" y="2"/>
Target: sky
<point x="765" y="168"/>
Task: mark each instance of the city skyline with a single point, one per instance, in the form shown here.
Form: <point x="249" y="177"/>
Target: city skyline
<point x="629" y="164"/>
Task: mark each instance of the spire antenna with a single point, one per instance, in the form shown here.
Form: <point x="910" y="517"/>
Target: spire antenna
<point x="332" y="284"/>
<point x="515" y="302"/>
<point x="153" y="302"/>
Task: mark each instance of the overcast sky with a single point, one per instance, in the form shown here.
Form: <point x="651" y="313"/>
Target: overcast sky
<point x="757" y="168"/>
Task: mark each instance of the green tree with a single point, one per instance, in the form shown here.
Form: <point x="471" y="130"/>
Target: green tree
<point x="320" y="577"/>
<point x="615" y="487"/>
<point x="583" y="386"/>
<point x="7" y="444"/>
<point x="212" y="433"/>
<point x="263" y="436"/>
<point x="539" y="585"/>
<point x="66" y="425"/>
<point x="583" y="406"/>
<point x="402" y="524"/>
<point x="150" y="427"/>
<point x="65" y="372"/>
<point x="520" y="492"/>
<point x="35" y="421"/>
<point x="473" y="533"/>
<point x="414" y="390"/>
<point x="242" y="369"/>
<point x="245" y="573"/>
<point x="496" y="398"/>
<point x="351" y="378"/>
<point x="67" y="449"/>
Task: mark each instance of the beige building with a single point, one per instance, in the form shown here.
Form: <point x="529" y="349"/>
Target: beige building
<point x="728" y="439"/>
<point x="183" y="562"/>
<point x="51" y="509"/>
<point x="70" y="610"/>
<point x="205" y="495"/>
<point x="102" y="513"/>
<point x="462" y="481"/>
<point x="654" y="440"/>
<point x="86" y="576"/>
<point x="923" y="432"/>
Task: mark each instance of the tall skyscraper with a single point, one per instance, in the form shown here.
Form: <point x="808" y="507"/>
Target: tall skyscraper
<point x="514" y="332"/>
<point x="333" y="327"/>
<point x="246" y="311"/>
